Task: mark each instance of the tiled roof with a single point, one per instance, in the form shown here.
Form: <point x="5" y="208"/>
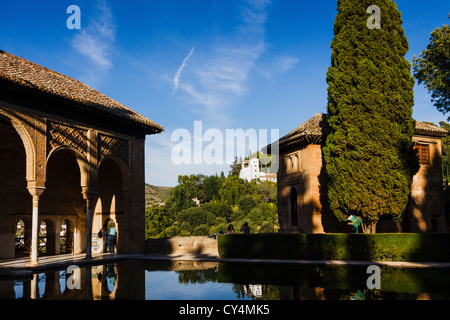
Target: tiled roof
<point x="314" y="130"/>
<point x="311" y="131"/>
<point x="427" y="129"/>
<point x="22" y="72"/>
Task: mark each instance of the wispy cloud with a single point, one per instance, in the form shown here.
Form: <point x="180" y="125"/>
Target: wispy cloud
<point x="95" y="40"/>
<point x="218" y="73"/>
<point x="176" y="78"/>
<point x="279" y="65"/>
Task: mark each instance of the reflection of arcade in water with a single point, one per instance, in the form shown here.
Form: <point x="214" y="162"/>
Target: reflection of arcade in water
<point x="105" y="287"/>
<point x="99" y="282"/>
<point x="148" y="280"/>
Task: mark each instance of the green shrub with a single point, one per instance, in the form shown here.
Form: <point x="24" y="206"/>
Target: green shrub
<point x="362" y="247"/>
<point x="201" y="230"/>
<point x="171" y="231"/>
<point x="267" y="227"/>
<point x="196" y="216"/>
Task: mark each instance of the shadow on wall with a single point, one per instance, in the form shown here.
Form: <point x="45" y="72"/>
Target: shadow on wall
<point x="426" y="209"/>
<point x="179" y="246"/>
<point x="329" y="221"/>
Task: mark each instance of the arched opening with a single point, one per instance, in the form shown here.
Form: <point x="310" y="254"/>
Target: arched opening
<point x="293" y="207"/>
<point x="98" y="231"/>
<point x="47" y="239"/>
<point x="66" y="237"/>
<point x="43" y="238"/>
<point x="110" y="186"/>
<point x="63" y="197"/>
<point x="21" y="248"/>
<point x="111" y="174"/>
<point x="14" y="197"/>
<point x="295" y="165"/>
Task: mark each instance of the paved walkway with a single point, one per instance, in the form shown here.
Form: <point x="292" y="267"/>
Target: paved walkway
<point x="23" y="266"/>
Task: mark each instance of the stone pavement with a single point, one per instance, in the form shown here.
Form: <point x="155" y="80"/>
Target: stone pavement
<point x="23" y="267"/>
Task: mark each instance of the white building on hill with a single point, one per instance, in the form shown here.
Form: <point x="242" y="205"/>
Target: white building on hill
<point x="250" y="171"/>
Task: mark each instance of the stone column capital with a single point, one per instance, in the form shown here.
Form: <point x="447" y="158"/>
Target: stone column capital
<point x="36" y="191"/>
<point x="88" y="193"/>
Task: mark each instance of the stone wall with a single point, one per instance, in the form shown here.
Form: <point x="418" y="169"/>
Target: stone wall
<point x="303" y="170"/>
<point x="178" y="246"/>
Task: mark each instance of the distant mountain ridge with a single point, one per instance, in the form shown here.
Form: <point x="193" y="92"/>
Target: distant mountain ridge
<point x="156" y="194"/>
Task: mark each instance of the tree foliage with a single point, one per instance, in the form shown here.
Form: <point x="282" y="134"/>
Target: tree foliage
<point x="432" y="68"/>
<point x="369" y="154"/>
<point x="157" y="219"/>
<point x="232" y="189"/>
<point x="445" y="154"/>
<point x="225" y="201"/>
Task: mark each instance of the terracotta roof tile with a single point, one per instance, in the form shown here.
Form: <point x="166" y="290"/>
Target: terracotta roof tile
<point x="430" y="130"/>
<point x="26" y="73"/>
<point x="316" y="128"/>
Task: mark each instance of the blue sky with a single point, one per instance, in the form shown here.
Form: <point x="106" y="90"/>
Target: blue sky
<point x="250" y="64"/>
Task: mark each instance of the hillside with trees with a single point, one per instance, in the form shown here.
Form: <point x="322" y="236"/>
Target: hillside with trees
<point x="205" y="205"/>
<point x="156" y="194"/>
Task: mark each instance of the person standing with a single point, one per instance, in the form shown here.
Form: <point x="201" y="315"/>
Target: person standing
<point x="112" y="233"/>
<point x="245" y="228"/>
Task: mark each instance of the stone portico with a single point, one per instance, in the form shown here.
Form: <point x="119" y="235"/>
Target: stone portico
<point x="71" y="161"/>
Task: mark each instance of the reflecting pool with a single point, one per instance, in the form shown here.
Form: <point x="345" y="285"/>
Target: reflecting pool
<point x="194" y="280"/>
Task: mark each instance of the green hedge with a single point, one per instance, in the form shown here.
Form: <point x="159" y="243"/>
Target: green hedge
<point x="352" y="246"/>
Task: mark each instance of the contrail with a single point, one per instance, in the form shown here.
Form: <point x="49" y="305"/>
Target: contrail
<point x="176" y="78"/>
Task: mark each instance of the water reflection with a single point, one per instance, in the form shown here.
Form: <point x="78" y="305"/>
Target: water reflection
<point x="95" y="283"/>
<point x="160" y="280"/>
<point x="105" y="287"/>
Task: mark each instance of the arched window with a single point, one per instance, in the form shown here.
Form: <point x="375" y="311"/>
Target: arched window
<point x="288" y="164"/>
<point x="111" y="183"/>
<point x="296" y="164"/>
<point x="66" y="238"/>
<point x="20" y="238"/>
<point x="43" y="238"/>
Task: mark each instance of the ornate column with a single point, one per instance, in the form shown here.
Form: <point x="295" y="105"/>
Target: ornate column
<point x="89" y="196"/>
<point x="89" y="187"/>
<point x="35" y="192"/>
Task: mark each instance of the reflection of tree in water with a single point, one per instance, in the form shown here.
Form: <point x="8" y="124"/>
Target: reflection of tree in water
<point x="197" y="276"/>
<point x="322" y="282"/>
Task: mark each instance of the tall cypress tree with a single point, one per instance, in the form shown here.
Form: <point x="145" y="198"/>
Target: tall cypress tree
<point x="369" y="154"/>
